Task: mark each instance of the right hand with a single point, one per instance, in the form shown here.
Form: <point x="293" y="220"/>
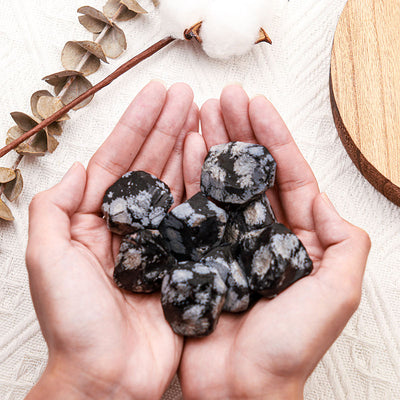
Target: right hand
<point x="269" y="351"/>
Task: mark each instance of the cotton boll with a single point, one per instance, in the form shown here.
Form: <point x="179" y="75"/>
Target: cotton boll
<point x="231" y="27"/>
<point x="178" y="15"/>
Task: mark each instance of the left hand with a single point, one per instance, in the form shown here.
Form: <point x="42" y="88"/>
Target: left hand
<point x="104" y="342"/>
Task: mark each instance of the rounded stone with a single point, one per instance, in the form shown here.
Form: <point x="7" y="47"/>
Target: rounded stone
<point x="255" y="214"/>
<point x="236" y="172"/>
<point x="192" y="296"/>
<point x="238" y="292"/>
<point x="193" y="228"/>
<point x="142" y="262"/>
<point x="138" y="200"/>
<point x="273" y="258"/>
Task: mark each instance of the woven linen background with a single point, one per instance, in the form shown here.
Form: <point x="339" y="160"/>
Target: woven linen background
<point x="364" y="363"/>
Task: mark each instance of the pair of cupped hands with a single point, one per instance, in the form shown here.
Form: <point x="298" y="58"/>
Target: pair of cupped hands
<point x="105" y="343"/>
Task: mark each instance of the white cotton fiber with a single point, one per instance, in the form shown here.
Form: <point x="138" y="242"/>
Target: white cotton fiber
<point x="229" y="28"/>
<point x="178" y="15"/>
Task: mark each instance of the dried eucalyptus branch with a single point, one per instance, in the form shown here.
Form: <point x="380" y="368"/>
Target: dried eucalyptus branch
<point x="110" y="78"/>
<point x="71" y="87"/>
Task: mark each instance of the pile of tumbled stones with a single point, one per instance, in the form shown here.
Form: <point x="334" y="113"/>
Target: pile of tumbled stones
<point x="215" y="252"/>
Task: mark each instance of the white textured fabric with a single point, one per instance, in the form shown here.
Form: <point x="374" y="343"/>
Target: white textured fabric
<point x="364" y="363"/>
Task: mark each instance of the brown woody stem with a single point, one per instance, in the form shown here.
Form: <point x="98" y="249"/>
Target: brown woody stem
<point x="110" y="78"/>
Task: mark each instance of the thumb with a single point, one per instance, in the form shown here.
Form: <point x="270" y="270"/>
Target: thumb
<point x="50" y="211"/>
<point x="346" y="250"/>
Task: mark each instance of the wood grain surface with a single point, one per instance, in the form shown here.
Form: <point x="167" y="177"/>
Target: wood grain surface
<point x="365" y="90"/>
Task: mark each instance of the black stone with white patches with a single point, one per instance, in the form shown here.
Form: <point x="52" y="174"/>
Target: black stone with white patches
<point x="254" y="215"/>
<point x="142" y="262"/>
<point x="193" y="228"/>
<point x="238" y="294"/>
<point x="273" y="259"/>
<point x="192" y="296"/>
<point x="136" y="201"/>
<point x="236" y="172"/>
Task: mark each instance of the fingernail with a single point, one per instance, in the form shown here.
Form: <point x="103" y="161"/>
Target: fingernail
<point x="258" y="95"/>
<point x="234" y="83"/>
<point x="328" y="202"/>
<point x="159" y="81"/>
<point x="71" y="169"/>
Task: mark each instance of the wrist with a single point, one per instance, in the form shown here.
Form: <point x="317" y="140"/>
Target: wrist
<point x="70" y="384"/>
<point x="278" y="389"/>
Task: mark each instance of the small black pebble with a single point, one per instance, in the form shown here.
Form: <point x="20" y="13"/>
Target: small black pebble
<point x="236" y="172"/>
<point x="136" y="201"/>
<point x="254" y="215"/>
<point x="238" y="294"/>
<point x="193" y="228"/>
<point x="192" y="296"/>
<point x="273" y="258"/>
<point x="142" y="262"/>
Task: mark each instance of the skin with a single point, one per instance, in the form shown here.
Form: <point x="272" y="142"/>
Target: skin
<point x="105" y="343"/>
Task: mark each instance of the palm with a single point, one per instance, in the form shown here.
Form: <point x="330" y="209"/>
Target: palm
<point x="285" y="337"/>
<point x="113" y="335"/>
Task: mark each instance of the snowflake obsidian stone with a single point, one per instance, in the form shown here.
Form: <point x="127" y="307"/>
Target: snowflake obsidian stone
<point x="238" y="293"/>
<point x="136" y="201"/>
<point x="254" y="215"/>
<point x="235" y="172"/>
<point x="142" y="262"/>
<point x="192" y="296"/>
<point x="193" y="228"/>
<point x="273" y="258"/>
<point x="221" y="250"/>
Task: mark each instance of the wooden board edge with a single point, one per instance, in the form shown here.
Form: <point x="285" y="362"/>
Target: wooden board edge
<point x="374" y="177"/>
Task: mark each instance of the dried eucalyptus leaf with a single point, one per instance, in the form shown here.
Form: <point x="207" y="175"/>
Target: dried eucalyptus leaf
<point x="24" y="121"/>
<point x="133" y="5"/>
<point x="96" y="14"/>
<point x="6" y="174"/>
<point x="47" y="106"/>
<point x="93" y="48"/>
<point x="35" y="98"/>
<point x="52" y="143"/>
<point x="61" y="77"/>
<point x="13" y="189"/>
<point x="72" y="55"/>
<point x="113" y="42"/>
<point x="91" y="24"/>
<point x="14" y="133"/>
<point x="78" y="86"/>
<point x="5" y="212"/>
<point x="54" y="129"/>
<point x="156" y="3"/>
<point x="113" y="6"/>
<point x="37" y="147"/>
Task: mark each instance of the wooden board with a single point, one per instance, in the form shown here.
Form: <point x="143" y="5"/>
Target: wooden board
<point x="365" y="90"/>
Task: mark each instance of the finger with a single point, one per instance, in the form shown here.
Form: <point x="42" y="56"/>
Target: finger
<point x="212" y="124"/>
<point x="173" y="171"/>
<point x="194" y="153"/>
<point x="161" y="141"/>
<point x="346" y="247"/>
<point x="295" y="180"/>
<point x="116" y="154"/>
<point x="50" y="213"/>
<point x="235" y="111"/>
